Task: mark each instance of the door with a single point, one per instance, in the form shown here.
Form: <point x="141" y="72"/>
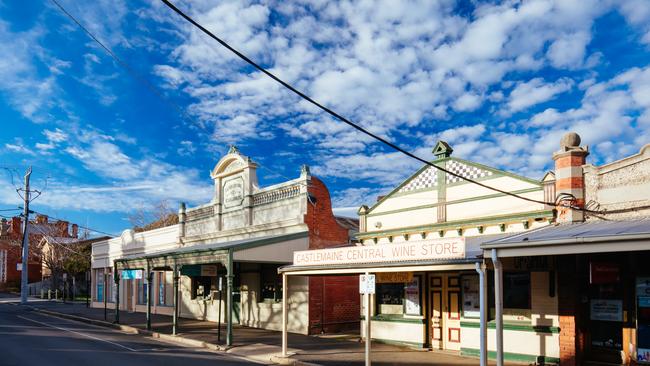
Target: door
<point x="445" y="311"/>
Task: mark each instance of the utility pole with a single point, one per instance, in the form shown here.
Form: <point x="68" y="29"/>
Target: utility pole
<point x="23" y="275"/>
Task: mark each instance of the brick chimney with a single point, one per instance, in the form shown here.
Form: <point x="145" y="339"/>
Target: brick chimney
<point x="41" y="219"/>
<point x="62" y="229"/>
<point x="16" y="226"/>
<point x="75" y="231"/>
<point x="569" y="178"/>
<point x="4" y="226"/>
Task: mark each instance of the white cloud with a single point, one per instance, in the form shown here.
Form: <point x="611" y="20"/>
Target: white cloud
<point x="535" y="91"/>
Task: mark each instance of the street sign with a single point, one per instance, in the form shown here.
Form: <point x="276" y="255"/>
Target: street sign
<point x="367" y="284"/>
<point x="19" y="267"/>
<point x="220" y="284"/>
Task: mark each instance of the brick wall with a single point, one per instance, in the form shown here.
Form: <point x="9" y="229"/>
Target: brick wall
<point x="567" y="309"/>
<point x="333" y="300"/>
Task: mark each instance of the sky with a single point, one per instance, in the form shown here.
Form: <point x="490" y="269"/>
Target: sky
<point x="501" y="82"/>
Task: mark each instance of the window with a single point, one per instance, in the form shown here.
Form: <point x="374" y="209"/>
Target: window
<point x="390" y="298"/>
<point x="201" y="287"/>
<point x="516" y="290"/>
<point x="99" y="288"/>
<point x="270" y="283"/>
<point x="165" y="288"/>
<point x="142" y="291"/>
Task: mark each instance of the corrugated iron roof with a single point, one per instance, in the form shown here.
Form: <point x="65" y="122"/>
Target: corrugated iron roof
<point x="575" y="232"/>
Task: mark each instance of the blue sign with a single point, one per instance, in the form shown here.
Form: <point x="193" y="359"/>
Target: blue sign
<point x="644" y="302"/>
<point x="131" y="274"/>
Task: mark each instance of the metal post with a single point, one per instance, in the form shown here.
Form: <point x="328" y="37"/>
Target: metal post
<point x="148" y="294"/>
<point x="88" y="277"/>
<point x="498" y="304"/>
<point x="219" y="315"/>
<point x="285" y="314"/>
<point x="175" y="315"/>
<point x="229" y="294"/>
<point x="116" y="278"/>
<point x="480" y="268"/>
<point x="24" y="278"/>
<point x="368" y="336"/>
<point x="105" y="294"/>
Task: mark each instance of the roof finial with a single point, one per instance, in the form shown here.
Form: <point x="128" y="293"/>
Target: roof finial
<point x="233" y="150"/>
<point x="442" y="150"/>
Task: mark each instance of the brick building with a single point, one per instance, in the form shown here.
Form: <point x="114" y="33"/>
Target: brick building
<point x="231" y="248"/>
<point x="11" y="235"/>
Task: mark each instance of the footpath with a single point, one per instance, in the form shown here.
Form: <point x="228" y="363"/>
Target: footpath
<point x="262" y="346"/>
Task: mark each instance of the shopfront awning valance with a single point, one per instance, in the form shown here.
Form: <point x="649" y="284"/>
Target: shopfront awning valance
<point x="577" y="238"/>
<point x="200" y="254"/>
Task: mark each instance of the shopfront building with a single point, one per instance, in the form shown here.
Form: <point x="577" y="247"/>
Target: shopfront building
<point x="220" y="262"/>
<point x="428" y="289"/>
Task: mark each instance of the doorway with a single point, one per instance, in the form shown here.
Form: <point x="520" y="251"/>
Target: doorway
<point x="445" y="311"/>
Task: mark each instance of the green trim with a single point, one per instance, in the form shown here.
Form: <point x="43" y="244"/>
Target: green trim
<point x="523" y="327"/>
<point x="497" y="219"/>
<point x="509" y="356"/>
<point x="394" y="318"/>
<point x="448" y="203"/>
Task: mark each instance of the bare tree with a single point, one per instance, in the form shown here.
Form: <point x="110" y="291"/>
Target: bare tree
<point x="159" y="215"/>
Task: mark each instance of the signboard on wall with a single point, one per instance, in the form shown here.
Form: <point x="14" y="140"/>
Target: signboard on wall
<point x="208" y="270"/>
<point x="434" y="249"/>
<point x="131" y="274"/>
<point x="394" y="277"/>
<point x="606" y="310"/>
<point x="233" y="192"/>
<point x="603" y="273"/>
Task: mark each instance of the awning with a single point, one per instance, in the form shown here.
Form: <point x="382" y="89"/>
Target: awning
<point x="473" y="254"/>
<point x="577" y="238"/>
<point x="201" y="254"/>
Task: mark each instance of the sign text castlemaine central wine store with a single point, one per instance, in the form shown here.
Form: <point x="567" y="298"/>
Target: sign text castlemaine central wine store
<point x="439" y="249"/>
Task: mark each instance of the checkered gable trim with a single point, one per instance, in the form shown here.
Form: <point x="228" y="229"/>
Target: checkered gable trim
<point x="466" y="171"/>
<point x="426" y="179"/>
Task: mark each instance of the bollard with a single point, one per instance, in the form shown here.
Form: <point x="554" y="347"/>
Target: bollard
<point x="56" y="294"/>
<point x="42" y="294"/>
<point x="49" y="294"/>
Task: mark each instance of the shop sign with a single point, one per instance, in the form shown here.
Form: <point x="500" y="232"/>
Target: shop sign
<point x="367" y="284"/>
<point x="394" y="277"/>
<point x="537" y="263"/>
<point x="643" y="286"/>
<point x="435" y="249"/>
<point x="131" y="274"/>
<point x="209" y="270"/>
<point x="603" y="273"/>
<point x="607" y="310"/>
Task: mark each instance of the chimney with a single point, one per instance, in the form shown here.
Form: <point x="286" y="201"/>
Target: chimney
<point x="75" y="231"/>
<point x="62" y="229"/>
<point x="41" y="219"/>
<point x="569" y="178"/>
<point x="3" y="227"/>
<point x="16" y="226"/>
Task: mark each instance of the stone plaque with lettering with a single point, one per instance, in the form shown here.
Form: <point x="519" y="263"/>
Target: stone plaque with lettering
<point x="233" y="192"/>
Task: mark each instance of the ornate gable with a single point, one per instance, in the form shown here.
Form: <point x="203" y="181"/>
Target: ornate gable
<point x="465" y="170"/>
<point x="426" y="179"/>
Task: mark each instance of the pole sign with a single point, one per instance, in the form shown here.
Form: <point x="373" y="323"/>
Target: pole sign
<point x="19" y="267"/>
<point x="367" y="284"/>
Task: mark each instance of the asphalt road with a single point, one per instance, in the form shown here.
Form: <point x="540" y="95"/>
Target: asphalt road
<point x="30" y="338"/>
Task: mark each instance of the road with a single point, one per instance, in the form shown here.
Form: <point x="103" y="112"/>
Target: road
<point x="31" y="338"/>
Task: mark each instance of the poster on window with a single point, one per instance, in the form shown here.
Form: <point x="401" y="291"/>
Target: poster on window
<point x="607" y="310"/>
<point x="412" y="297"/>
<point x="471" y="303"/>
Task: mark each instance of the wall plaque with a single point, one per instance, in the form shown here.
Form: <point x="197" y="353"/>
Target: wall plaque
<point x="233" y="192"/>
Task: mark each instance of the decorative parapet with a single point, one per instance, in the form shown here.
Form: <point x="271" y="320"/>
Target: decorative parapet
<point x="276" y="194"/>
<point x="201" y="212"/>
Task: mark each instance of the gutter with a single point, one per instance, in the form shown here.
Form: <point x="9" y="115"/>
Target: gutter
<point x="572" y="240"/>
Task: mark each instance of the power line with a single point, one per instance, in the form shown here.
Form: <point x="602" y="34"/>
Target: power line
<point x="341" y="118"/>
<point x="79" y="226"/>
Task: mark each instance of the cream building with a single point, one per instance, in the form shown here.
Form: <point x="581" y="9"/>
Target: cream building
<point x="430" y="298"/>
<point x="220" y="261"/>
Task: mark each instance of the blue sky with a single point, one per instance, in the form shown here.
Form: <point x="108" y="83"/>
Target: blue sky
<point x="500" y="81"/>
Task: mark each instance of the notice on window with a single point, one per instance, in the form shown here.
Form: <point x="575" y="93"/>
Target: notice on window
<point x="607" y="310"/>
<point x="471" y="300"/>
<point x="412" y="297"/>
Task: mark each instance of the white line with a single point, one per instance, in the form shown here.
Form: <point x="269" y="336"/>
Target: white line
<point x="78" y="333"/>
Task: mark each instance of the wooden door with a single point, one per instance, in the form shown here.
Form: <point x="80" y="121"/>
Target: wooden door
<point x="452" y="313"/>
<point x="437" y="318"/>
<point x="445" y="311"/>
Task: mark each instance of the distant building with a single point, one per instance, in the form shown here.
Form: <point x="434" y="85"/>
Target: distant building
<point x="11" y="235"/>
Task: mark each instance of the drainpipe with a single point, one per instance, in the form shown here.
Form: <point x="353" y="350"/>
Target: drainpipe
<point x="229" y="280"/>
<point x="498" y="304"/>
<point x="480" y="268"/>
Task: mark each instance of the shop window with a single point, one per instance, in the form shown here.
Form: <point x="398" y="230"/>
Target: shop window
<point x="390" y="298"/>
<point x="516" y="290"/>
<point x="165" y="288"/>
<point x="270" y="283"/>
<point x="142" y="291"/>
<point x="202" y="286"/>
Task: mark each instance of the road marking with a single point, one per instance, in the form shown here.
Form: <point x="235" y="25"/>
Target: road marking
<point x="78" y="333"/>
